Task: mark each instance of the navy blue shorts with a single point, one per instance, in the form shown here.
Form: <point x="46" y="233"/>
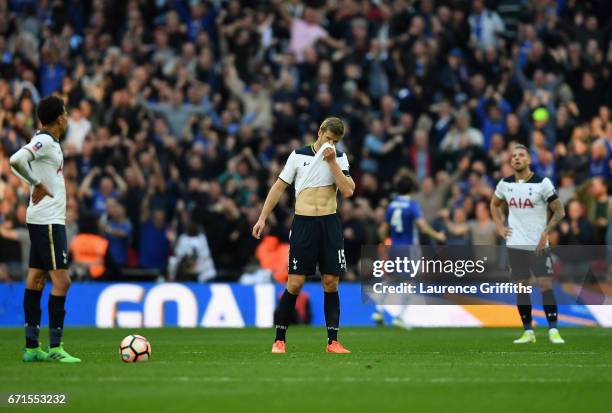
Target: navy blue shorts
<point x="49" y="250"/>
<point x="316" y="240"/>
<point x="524" y="263"/>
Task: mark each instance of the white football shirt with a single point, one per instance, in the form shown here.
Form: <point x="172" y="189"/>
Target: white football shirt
<point x="527" y="208"/>
<point x="48" y="166"/>
<point x="305" y="170"/>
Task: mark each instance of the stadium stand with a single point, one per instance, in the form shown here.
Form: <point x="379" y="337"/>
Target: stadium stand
<point x="182" y="113"/>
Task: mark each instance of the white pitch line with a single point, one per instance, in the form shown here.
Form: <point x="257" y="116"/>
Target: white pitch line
<point x="326" y="379"/>
<point x="565" y="353"/>
<point x="480" y="364"/>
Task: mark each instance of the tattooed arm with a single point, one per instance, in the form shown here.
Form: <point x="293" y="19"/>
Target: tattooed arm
<point x="558" y="214"/>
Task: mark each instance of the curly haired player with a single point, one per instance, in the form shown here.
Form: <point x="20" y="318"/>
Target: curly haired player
<point x="40" y="163"/>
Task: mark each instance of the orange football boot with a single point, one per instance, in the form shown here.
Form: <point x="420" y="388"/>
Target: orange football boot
<point x="336" y="347"/>
<point x="278" y="347"/>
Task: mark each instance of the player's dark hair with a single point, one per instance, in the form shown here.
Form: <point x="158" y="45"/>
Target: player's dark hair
<point x="49" y="109"/>
<point x="334" y="125"/>
<point x="404" y="185"/>
<point x="193" y="229"/>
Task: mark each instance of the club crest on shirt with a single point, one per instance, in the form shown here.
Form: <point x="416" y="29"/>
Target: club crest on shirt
<point x="37" y="146"/>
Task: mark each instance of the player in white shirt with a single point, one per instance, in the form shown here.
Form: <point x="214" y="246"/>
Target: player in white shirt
<point x="528" y="197"/>
<point x="317" y="172"/>
<point x="40" y="163"/>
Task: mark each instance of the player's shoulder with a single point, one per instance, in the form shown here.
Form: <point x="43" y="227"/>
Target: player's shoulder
<point x="538" y="179"/>
<point x="42" y="134"/>
<point x="41" y="141"/>
<point x="43" y="137"/>
<point x="402" y="201"/>
<point x="339" y="153"/>
<point x="304" y="151"/>
<point x="535" y="179"/>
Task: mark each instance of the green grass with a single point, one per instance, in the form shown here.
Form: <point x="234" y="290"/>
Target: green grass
<point x="227" y="370"/>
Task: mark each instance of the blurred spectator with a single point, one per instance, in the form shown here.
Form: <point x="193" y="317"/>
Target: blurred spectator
<point x="78" y="128"/>
<point x="376" y="146"/>
<point x="155" y="236"/>
<point x="575" y="229"/>
<point x="515" y="131"/>
<point x="432" y="196"/>
<point x="353" y="224"/>
<point x="486" y="26"/>
<point x="456" y="227"/>
<point x="601" y="160"/>
<point x="421" y="158"/>
<point x="461" y="135"/>
<point x="305" y="31"/>
<point x="15" y="242"/>
<point x="492" y="113"/>
<point x="174" y="110"/>
<point x="117" y="229"/>
<point x="593" y="194"/>
<point x="482" y="228"/>
<point x="256" y="99"/>
<point x="191" y="257"/>
<point x="89" y="252"/>
<point x="105" y="190"/>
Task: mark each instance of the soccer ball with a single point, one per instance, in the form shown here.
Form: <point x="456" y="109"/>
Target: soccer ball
<point x="134" y="349"/>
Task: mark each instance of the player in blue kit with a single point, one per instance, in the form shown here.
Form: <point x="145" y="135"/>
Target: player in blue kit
<point x="403" y="220"/>
<point x="404" y="216"/>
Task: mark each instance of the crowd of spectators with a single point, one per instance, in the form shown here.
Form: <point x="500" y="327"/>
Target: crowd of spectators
<point x="182" y="113"/>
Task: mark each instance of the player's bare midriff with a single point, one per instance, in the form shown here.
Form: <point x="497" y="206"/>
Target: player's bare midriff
<point x="316" y="201"/>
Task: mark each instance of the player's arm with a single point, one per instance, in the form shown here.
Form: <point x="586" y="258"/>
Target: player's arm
<point x="145" y="211"/>
<point x="232" y="80"/>
<point x="498" y="217"/>
<point x="333" y="42"/>
<point x="119" y="181"/>
<point x="271" y="200"/>
<point x="85" y="187"/>
<point x="558" y="213"/>
<point x="549" y="194"/>
<point x="383" y="231"/>
<point x="426" y="229"/>
<point x="345" y="183"/>
<point x="20" y="166"/>
<point x="455" y="229"/>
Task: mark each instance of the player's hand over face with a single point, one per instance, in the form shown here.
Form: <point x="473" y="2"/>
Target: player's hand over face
<point x="329" y="154"/>
<point x="504" y="232"/>
<point x="40" y="191"/>
<point x="258" y="229"/>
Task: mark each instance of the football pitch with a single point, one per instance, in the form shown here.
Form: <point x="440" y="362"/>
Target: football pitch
<point x="232" y="370"/>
